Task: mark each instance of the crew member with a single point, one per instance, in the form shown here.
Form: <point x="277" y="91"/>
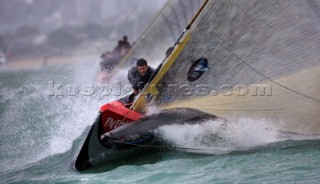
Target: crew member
<point x="139" y="75"/>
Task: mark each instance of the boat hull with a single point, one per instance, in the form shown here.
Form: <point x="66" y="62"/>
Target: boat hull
<point x="101" y="147"/>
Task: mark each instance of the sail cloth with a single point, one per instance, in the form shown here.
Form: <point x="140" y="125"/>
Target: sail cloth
<point x="257" y="59"/>
<point x="162" y="32"/>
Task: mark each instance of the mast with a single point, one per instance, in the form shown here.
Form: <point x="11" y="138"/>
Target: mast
<point x="151" y="88"/>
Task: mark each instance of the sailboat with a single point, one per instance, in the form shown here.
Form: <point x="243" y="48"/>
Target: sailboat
<point x="236" y="59"/>
<point x="157" y="37"/>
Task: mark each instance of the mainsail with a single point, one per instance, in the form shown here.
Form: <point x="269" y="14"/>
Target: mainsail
<point x="162" y="32"/>
<point x="252" y="59"/>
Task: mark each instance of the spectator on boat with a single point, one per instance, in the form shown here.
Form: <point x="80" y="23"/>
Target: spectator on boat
<point x="110" y="59"/>
<point x="125" y="44"/>
<point x="139" y="75"/>
<point x="118" y="48"/>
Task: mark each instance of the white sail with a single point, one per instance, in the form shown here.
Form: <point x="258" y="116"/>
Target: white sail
<point x="261" y="61"/>
<point x="162" y="32"/>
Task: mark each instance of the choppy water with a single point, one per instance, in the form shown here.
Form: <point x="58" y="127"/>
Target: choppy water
<point x="42" y="132"/>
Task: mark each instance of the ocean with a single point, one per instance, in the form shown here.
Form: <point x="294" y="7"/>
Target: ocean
<point x="46" y="113"/>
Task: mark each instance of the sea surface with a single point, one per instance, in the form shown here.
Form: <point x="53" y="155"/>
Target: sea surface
<point x="46" y="113"/>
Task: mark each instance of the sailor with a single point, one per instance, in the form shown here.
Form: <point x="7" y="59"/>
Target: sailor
<point x="118" y="48"/>
<point x="139" y="75"/>
<point x="125" y="43"/>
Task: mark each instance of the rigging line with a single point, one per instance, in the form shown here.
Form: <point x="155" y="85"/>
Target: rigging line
<point x="178" y="40"/>
<point x="169" y="56"/>
<point x="134" y="7"/>
<point x="141" y="37"/>
<point x="170" y="26"/>
<point x="195" y="17"/>
<point x="297" y="92"/>
<point x="175" y="17"/>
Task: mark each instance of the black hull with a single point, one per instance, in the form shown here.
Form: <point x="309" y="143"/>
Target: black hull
<point x="95" y="152"/>
<point x="83" y="160"/>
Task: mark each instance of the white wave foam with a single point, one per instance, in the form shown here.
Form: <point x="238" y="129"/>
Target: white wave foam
<point x="219" y="136"/>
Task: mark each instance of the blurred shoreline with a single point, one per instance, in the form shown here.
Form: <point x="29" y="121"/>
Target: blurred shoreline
<point x="42" y="33"/>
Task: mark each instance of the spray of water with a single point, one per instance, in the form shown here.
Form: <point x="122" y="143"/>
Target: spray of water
<point x="81" y="110"/>
<point x="37" y="124"/>
<point x="220" y="136"/>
